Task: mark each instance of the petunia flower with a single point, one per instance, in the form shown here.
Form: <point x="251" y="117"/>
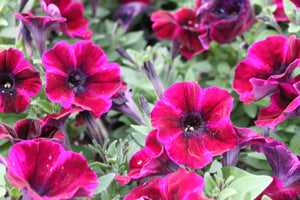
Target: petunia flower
<point x="48" y="171"/>
<point x="18" y="81"/>
<point x="194" y="124"/>
<point x="225" y="20"/>
<point x="279" y="12"/>
<point x="286" y="171"/>
<point x="28" y="129"/>
<point x="183" y="28"/>
<point x="269" y="63"/>
<point x="38" y="27"/>
<point x="122" y="101"/>
<point x="247" y="137"/>
<point x="178" y="185"/>
<point x="75" y="24"/>
<point x="150" y="161"/>
<point x="127" y="12"/>
<point x="285" y="103"/>
<point x="80" y="75"/>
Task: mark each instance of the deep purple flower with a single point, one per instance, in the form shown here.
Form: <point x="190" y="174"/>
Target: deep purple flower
<point x="225" y="20"/>
<point x="75" y="24"/>
<point x="178" y="185"/>
<point x="127" y="12"/>
<point x="28" y="129"/>
<point x="80" y="75"/>
<point x="18" y="81"/>
<point x="150" y="161"/>
<point x="38" y="27"/>
<point x="194" y="125"/>
<point x="183" y="28"/>
<point x="286" y="168"/>
<point x="247" y="137"/>
<point x="270" y="62"/>
<point x="48" y="171"/>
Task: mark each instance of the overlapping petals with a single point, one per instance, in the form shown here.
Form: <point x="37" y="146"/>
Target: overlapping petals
<point x="181" y="27"/>
<point x="76" y="24"/>
<point x="225" y="20"/>
<point x="286" y="170"/>
<point x="194" y="125"/>
<point x="80" y="75"/>
<point x="178" y="185"/>
<point x="27" y="129"/>
<point x="18" y="81"/>
<point x="49" y="172"/>
<point x="150" y="161"/>
<point x="269" y="63"/>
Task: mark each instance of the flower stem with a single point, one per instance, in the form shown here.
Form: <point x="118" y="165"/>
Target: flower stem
<point x="92" y="126"/>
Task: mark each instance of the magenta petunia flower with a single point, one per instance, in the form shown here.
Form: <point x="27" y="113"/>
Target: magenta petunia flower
<point x="18" y="81"/>
<point x="150" y="161"/>
<point x="225" y="20"/>
<point x="48" y="171"/>
<point x="269" y="63"/>
<point x="279" y="12"/>
<point x="76" y="24"/>
<point x="285" y="103"/>
<point x="178" y="185"/>
<point x="181" y="27"/>
<point x="194" y="125"/>
<point x="80" y="75"/>
<point x="38" y="27"/>
<point x="28" y="129"/>
<point x="286" y="170"/>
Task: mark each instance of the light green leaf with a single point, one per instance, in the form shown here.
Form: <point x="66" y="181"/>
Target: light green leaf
<point x="45" y="105"/>
<point x="209" y="183"/>
<point x="190" y="75"/>
<point x="228" y="192"/>
<point x="2" y="180"/>
<point x="250" y="109"/>
<point x="289" y="9"/>
<point x="104" y="182"/>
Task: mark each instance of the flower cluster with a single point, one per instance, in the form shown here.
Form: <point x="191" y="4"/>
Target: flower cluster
<point x="211" y="20"/>
<point x="268" y="70"/>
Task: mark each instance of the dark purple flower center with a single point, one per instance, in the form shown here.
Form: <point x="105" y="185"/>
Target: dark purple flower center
<point x="76" y="80"/>
<point x="192" y="122"/>
<point x="228" y="9"/>
<point x="7" y="83"/>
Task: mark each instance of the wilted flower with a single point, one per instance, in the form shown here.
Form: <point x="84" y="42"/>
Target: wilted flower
<point x="80" y="75"/>
<point x="225" y="20"/>
<point x="76" y="24"/>
<point x="178" y="185"/>
<point x="48" y="171"/>
<point x="150" y="161"/>
<point x="270" y="62"/>
<point x="18" y="81"/>
<point x="194" y="125"/>
<point x="286" y="171"/>
<point x="181" y="27"/>
<point x="38" y="27"/>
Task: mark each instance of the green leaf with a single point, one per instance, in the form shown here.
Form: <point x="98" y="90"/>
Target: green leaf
<point x="104" y="182"/>
<point x="209" y="183"/>
<point x="3" y="22"/>
<point x="228" y="192"/>
<point x="234" y="171"/>
<point x="266" y="198"/>
<point x="289" y="9"/>
<point x="43" y="104"/>
<point x="2" y="180"/>
<point x="250" y="109"/>
<point x="249" y="185"/>
<point x="190" y="75"/>
<point x="139" y="138"/>
<point x="142" y="129"/>
<point x="101" y="165"/>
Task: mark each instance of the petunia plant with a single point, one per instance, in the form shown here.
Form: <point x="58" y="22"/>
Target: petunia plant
<point x="149" y="99"/>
